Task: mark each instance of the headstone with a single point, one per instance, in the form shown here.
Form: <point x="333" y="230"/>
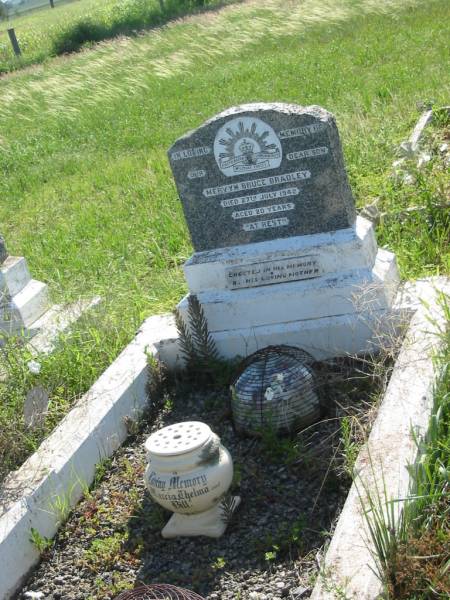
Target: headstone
<point x="260" y="172"/>
<point x="280" y="256"/>
<point x="22" y="300"/>
<point x="25" y="311"/>
<point x="3" y="251"/>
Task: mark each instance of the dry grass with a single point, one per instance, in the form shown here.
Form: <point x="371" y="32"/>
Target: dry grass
<point x="422" y="565"/>
<point x="121" y="68"/>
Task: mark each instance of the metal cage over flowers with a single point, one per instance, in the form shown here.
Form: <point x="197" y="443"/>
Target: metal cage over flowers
<point x="160" y="591"/>
<point x="275" y="388"/>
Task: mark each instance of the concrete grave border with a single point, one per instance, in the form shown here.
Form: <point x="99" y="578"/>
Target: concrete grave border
<point x="348" y="570"/>
<point x="64" y="464"/>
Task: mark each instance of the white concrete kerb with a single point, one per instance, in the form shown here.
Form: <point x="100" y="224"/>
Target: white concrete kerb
<point x="65" y="462"/>
<point x="349" y="568"/>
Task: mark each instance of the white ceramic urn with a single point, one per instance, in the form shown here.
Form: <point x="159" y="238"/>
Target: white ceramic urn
<point x="189" y="472"/>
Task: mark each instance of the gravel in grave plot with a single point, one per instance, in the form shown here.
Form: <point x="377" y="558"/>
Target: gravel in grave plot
<point x="291" y="498"/>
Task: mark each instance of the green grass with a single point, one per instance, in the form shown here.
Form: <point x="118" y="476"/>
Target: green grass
<point x="87" y="194"/>
<point x="47" y="32"/>
<point x="36" y="30"/>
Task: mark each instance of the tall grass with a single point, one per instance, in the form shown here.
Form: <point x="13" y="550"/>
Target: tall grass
<point x="69" y="27"/>
<point x="122" y="17"/>
<point x="79" y="358"/>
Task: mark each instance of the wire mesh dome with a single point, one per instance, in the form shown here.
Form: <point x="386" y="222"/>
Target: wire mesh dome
<point x="275" y="387"/>
<point x="160" y="591"/>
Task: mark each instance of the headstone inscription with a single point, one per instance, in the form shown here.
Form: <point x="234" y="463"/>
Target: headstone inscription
<point x="280" y="256"/>
<point x="260" y="172"/>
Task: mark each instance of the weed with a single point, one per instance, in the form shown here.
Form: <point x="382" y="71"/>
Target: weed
<point x="120" y="582"/>
<point x="203" y="362"/>
<point x="101" y="469"/>
<point x="103" y="553"/>
<point x="219" y="563"/>
<point x="329" y="585"/>
<point x="286" y="541"/>
<point x="421" y="566"/>
<point x="168" y="404"/>
<point x="237" y="476"/>
<point x="128" y="470"/>
<point x="157" y="380"/>
<point x="350" y="448"/>
<point x="131" y="424"/>
<point x="279" y="448"/>
<point x="196" y="343"/>
<point x="61" y="507"/>
<point x="40" y="542"/>
<point x="227" y="507"/>
<point x="271" y="555"/>
<point x="410" y="537"/>
<point x="154" y="517"/>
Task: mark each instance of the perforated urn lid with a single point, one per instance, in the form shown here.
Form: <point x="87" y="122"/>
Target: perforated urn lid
<point x="178" y="439"/>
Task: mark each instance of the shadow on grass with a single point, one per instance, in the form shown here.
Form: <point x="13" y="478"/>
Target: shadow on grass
<point x="129" y="19"/>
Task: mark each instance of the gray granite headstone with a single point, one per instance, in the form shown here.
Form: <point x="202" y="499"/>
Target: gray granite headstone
<point x="3" y="251"/>
<point x="262" y="171"/>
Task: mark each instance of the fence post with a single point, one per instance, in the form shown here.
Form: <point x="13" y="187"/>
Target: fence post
<point x="52" y="4"/>
<point x="14" y="42"/>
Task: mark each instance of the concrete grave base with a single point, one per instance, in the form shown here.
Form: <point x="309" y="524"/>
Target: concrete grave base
<point x="340" y="251"/>
<point x="323" y="338"/>
<point x="209" y="523"/>
<point x="14" y="275"/>
<point x="25" y="311"/>
<point x="22" y="300"/>
<point x="359" y="291"/>
<point x="329" y="293"/>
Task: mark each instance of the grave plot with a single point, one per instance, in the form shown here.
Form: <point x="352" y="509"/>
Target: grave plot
<point x="311" y="278"/>
<point x="112" y="541"/>
<point x="292" y="490"/>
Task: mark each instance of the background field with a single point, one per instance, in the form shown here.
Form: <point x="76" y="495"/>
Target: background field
<point x="35" y="30"/>
<point x="19" y="10"/>
<point x="48" y="32"/>
<point x="86" y="191"/>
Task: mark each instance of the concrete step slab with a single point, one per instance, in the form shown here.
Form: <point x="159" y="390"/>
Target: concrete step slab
<point x="14" y="276"/>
